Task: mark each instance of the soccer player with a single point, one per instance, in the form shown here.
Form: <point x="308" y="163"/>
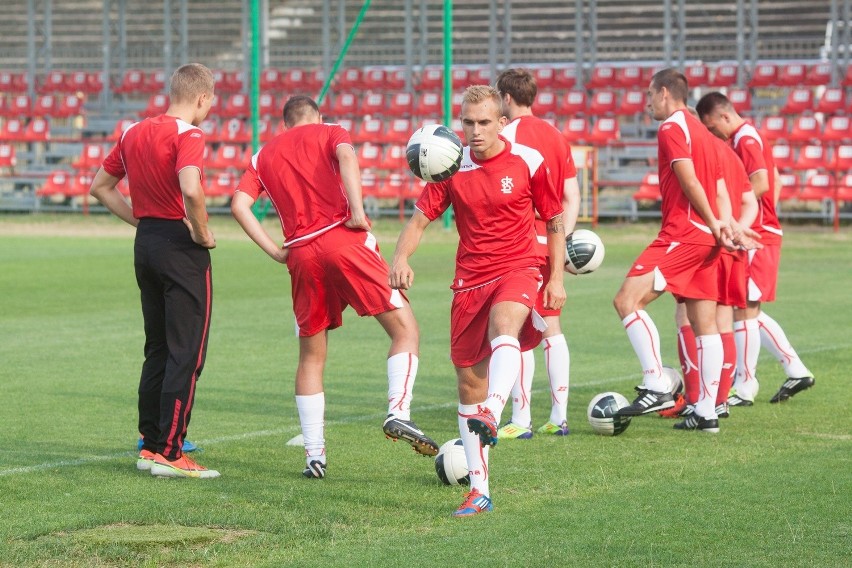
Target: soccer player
<point x="162" y="159"/>
<point x="311" y="175"/>
<point x="753" y="327"/>
<point x="683" y="257"/>
<point x="518" y="89"/>
<point x="494" y="196"/>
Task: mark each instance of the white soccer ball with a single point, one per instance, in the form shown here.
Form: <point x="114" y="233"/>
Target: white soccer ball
<point x="451" y="463"/>
<point x="674" y="380"/>
<point x="434" y="152"/>
<point x="584" y="252"/>
<point x="601" y="414"/>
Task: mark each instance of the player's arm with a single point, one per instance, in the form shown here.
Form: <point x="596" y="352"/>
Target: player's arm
<point x="196" y="210"/>
<point x="104" y="190"/>
<point x="684" y="170"/>
<point x="350" y="173"/>
<point x="777" y="187"/>
<point x="401" y="275"/>
<point x="241" y="210"/>
<point x="759" y="182"/>
<point x="570" y="204"/>
<point x="750" y="207"/>
<point x="554" y="289"/>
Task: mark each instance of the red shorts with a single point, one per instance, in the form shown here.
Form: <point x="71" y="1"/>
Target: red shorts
<point x="763" y="273"/>
<point x="687" y="270"/>
<point x="342" y="267"/>
<point x="469" y="315"/>
<point x="732" y="279"/>
<point x="539" y="301"/>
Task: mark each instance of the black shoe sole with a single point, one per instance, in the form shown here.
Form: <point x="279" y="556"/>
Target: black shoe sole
<point x="785" y="394"/>
<point x="423" y="446"/>
<point x="483" y="431"/>
<point x="628" y="411"/>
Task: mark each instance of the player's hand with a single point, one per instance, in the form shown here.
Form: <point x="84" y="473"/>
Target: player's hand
<point x="554" y="295"/>
<point x="745" y="238"/>
<point x="401" y="276"/>
<point x="206" y="240"/>
<point x="358" y="222"/>
<point x="280" y="255"/>
<point x="722" y="233"/>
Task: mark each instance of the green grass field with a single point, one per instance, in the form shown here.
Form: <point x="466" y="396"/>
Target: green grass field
<point x="774" y="488"/>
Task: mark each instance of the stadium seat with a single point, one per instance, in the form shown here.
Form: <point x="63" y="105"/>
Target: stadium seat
<point x="95" y="80"/>
<point x="573" y="103"/>
<point x="544" y="77"/>
<point x="394" y="158"/>
<point x="602" y="103"/>
<point x="70" y="105"/>
<point x="725" y="75"/>
<point x="369" y="130"/>
<point x="395" y="80"/>
<point x="818" y="75"/>
<point x="791" y="75"/>
<point x="461" y="78"/>
<point x="236" y="106"/>
<point x="37" y="130"/>
<point x="649" y="189"/>
<point x="369" y="156"/>
<point x="221" y="185"/>
<point x="605" y="131"/>
<point x="398" y="131"/>
<point x="294" y="79"/>
<point x="630" y="77"/>
<point x="740" y="99"/>
<point x="401" y="104"/>
<point x="837" y="129"/>
<point x="847" y="77"/>
<point x="314" y="80"/>
<point x="372" y="104"/>
<point x="265" y="130"/>
<point x="55" y="82"/>
<point x="817" y="187"/>
<point x="234" y="130"/>
<point x="215" y="106"/>
<point x="156" y="81"/>
<point x="774" y="128"/>
<point x="344" y="104"/>
<point x="81" y="183"/>
<point x="369" y="183"/>
<point x="812" y="156"/>
<point x="764" y="75"/>
<point x="374" y="79"/>
<point x="789" y="187"/>
<point x="844" y="188"/>
<point x="90" y="158"/>
<point x="480" y="76"/>
<point x="271" y="80"/>
<point x="349" y="80"/>
<point x="211" y="128"/>
<point x="58" y="182"/>
<point x="346" y="124"/>
<point x="545" y="103"/>
<point x="783" y="156"/>
<point x="119" y="128"/>
<point x="45" y="106"/>
<point x="266" y="105"/>
<point x="457" y="128"/>
<point x="697" y="75"/>
<point x="428" y="104"/>
<point x="132" y="82"/>
<point x="431" y="79"/>
<point x="805" y="129"/>
<point x="12" y="130"/>
<point x="457" y="103"/>
<point x="393" y="186"/>
<point x="565" y="78"/>
<point x="832" y="100"/>
<point x="20" y="106"/>
<point x="842" y="160"/>
<point x="632" y="103"/>
<point x="602" y="77"/>
<point x="7" y="83"/>
<point x="799" y="100"/>
<point x="78" y="82"/>
<point x="157" y="105"/>
<point x="226" y="156"/>
<point x="7" y="158"/>
<point x="576" y="130"/>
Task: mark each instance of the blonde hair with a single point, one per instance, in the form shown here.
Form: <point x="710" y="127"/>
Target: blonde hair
<point x="189" y="81"/>
<point x="476" y="94"/>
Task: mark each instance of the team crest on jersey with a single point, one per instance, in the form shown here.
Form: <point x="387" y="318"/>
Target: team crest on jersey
<point x="506" y="185"/>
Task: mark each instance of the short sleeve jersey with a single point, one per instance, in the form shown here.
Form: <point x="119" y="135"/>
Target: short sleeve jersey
<point x="151" y="153"/>
<point x="736" y="179"/>
<point x="683" y="137"/>
<point x="536" y="133"/>
<point x="299" y="171"/>
<point x="494" y="202"/>
<point x="756" y="155"/>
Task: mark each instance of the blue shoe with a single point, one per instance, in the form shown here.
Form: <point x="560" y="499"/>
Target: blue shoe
<point x="474" y="504"/>
<point x="187" y="446"/>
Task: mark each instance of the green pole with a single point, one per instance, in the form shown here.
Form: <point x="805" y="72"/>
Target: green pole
<point x="448" y="79"/>
<point x="343" y="51"/>
<point x="260" y="208"/>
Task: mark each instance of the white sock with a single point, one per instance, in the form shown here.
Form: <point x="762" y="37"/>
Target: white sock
<point x="747" y="338"/>
<point x="503" y="370"/>
<point x="773" y="338"/>
<point x="312" y="417"/>
<point x="477" y="456"/>
<point x="402" y="370"/>
<point x="709" y="348"/>
<point x="522" y="391"/>
<point x="645" y="338"/>
<point x="557" y="359"/>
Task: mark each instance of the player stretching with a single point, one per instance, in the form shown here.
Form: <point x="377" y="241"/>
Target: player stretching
<point x="311" y="175"/>
<point x="753" y="327"/>
<point x="518" y="89"/>
<point x="497" y="278"/>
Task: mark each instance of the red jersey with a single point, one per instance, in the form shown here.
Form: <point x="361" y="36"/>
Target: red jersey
<point x="756" y="156"/>
<point x="683" y="137"/>
<point x="735" y="176"/>
<point x="300" y="173"/>
<point x="534" y="132"/>
<point x="494" y="202"/>
<point x="151" y="153"/>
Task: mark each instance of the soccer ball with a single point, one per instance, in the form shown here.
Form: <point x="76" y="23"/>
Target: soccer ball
<point x="451" y="463"/>
<point x="434" y="152"/>
<point x="601" y="414"/>
<point x="672" y="376"/>
<point x="584" y="252"/>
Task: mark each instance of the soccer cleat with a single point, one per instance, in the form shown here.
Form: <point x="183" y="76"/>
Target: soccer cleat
<point x="737" y="400"/>
<point x="676" y="410"/>
<point x="722" y="410"/>
<point x="552" y="429"/>
<point x="474" y="503"/>
<point x="187" y="446"/>
<point x="315" y="470"/>
<point x="695" y="422"/>
<point x="484" y="425"/>
<point x="145" y="460"/>
<point x="181" y="467"/>
<point x="396" y="429"/>
<point x="792" y="386"/>
<point x="511" y="431"/>
<point x="647" y="401"/>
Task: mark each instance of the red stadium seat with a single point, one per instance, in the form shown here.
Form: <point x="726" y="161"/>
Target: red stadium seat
<point x="374" y="79"/>
<point x="370" y="130"/>
<point x="20" y="106"/>
<point x="461" y="78"/>
<point x="59" y="182"/>
<point x="7" y="82"/>
<point x="81" y="183"/>
<point x="55" y="82"/>
<point x="369" y="183"/>
<point x="13" y="130"/>
<point x="78" y="82"/>
<point x="847" y="77"/>
<point x="118" y="130"/>
<point x="603" y="77"/>
<point x="266" y="106"/>
<point x="576" y="130"/>
<point x="293" y="80"/>
<point x="479" y="76"/>
<point x="774" y="128"/>
<point x="234" y="130"/>
<point x="832" y="100"/>
<point x="401" y="104"/>
<point x="818" y="75"/>
<point x="740" y="99"/>
<point x="632" y="103"/>
<point x="372" y="104"/>
<point x="602" y="103"/>
<point x="764" y="75"/>
<point x="90" y="158"/>
<point x="398" y="131"/>
<point x="69" y="105"/>
<point x="697" y="75"/>
<point x="157" y="105"/>
<point x="457" y="103"/>
<point x="95" y="80"/>
<point x="573" y="103"/>
<point x="630" y="77"/>
<point x="837" y="129"/>
<point x="842" y="159"/>
<point x="805" y="129"/>
<point x="265" y="130"/>
<point x="45" y="105"/>
<point x="271" y="80"/>
<point x="396" y="185"/>
<point x="7" y="158"/>
<point x="346" y="124"/>
<point x="817" y="188"/>
<point x="798" y="101"/>
<point x="236" y="106"/>
<point x="545" y="103"/>
<point x="215" y="106"/>
<point x="605" y="131"/>
<point x="431" y="79"/>
<point x="812" y="156"/>
<point x="783" y="156"/>
<point x="132" y="82"/>
<point x="544" y="77"/>
<point x="649" y="189"/>
<point x="565" y="78"/>
<point x="349" y="80"/>
<point x="369" y="156"/>
<point x="725" y="75"/>
<point x="37" y="130"/>
<point x="156" y="81"/>
<point x="791" y="75"/>
<point x="344" y="104"/>
<point x="211" y="128"/>
<point x="226" y="156"/>
<point x="221" y="185"/>
<point x="844" y="188"/>
<point x="395" y="80"/>
<point x="394" y="158"/>
<point x="428" y="104"/>
<point x="314" y="80"/>
<point x="789" y="187"/>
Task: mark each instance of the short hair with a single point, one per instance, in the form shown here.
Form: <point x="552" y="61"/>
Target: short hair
<point x="190" y="81"/>
<point x="712" y="101"/>
<point x="297" y="108"/>
<point x="674" y="81"/>
<point x="476" y="94"/>
<point x="518" y="84"/>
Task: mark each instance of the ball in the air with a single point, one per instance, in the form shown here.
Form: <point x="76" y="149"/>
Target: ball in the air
<point x="584" y="252"/>
<point x="434" y="152"/>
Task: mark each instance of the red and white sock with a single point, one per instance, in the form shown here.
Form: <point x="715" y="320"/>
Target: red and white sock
<point x="402" y="370"/>
<point x="773" y="339"/>
<point x="476" y="455"/>
<point x="747" y="338"/>
<point x="709" y="349"/>
<point x="312" y="418"/>
<point x="729" y="367"/>
<point x="686" y="352"/>
<point x="557" y="359"/>
<point x="645" y="339"/>
<point x="503" y="370"/>
<point x="522" y="391"/>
